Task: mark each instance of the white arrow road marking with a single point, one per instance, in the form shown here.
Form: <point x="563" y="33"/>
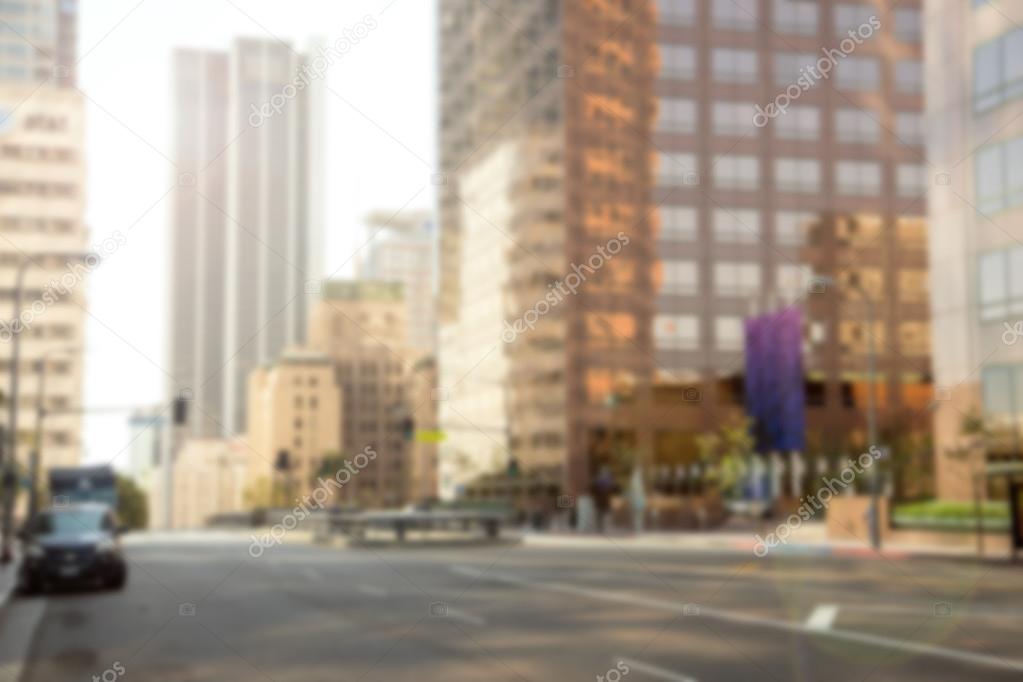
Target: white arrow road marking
<point x="455" y="614"/>
<point x="372" y="591"/>
<point x="636" y="600"/>
<point x="823" y="617"/>
<point x="654" y="671"/>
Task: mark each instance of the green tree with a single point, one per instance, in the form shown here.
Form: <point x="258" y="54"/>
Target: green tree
<point x="725" y="454"/>
<point x="132" y="504"/>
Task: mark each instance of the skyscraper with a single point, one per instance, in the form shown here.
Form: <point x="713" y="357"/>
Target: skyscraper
<point x="246" y="231"/>
<point x="403" y="248"/>
<point x="39" y="41"/>
<point x="641" y="120"/>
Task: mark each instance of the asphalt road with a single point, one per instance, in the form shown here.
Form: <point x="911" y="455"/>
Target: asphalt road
<point x="200" y="608"/>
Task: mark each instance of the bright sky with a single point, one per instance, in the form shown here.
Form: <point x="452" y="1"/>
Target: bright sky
<point x="374" y="141"/>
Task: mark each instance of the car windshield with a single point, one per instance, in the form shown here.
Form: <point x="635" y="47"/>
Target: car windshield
<point x="69" y="522"/>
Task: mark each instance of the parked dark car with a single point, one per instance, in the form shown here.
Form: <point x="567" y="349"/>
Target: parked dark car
<point x="77" y="544"/>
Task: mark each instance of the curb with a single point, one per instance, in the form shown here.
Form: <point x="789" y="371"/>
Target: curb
<point x="747" y="547"/>
<point x="8" y="583"/>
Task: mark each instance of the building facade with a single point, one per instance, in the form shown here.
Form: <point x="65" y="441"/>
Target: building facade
<point x="294" y="424"/>
<point x="680" y="208"/>
<point x="40" y="42"/>
<point x="211" y="476"/>
<point x="403" y="248"/>
<point x="246" y="225"/>
<point x="361" y="326"/>
<point x="42" y="209"/>
<point x="976" y="148"/>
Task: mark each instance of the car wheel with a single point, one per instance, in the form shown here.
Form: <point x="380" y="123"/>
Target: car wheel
<point x="118" y="581"/>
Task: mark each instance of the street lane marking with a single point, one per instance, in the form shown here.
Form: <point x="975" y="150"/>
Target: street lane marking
<point x="455" y="614"/>
<point x="823" y="617"/>
<point x="654" y="671"/>
<point x="758" y="621"/>
<point x="372" y="591"/>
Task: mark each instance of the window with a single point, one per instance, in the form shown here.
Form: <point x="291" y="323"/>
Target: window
<point x="849" y="17"/>
<point x="739" y="15"/>
<point x="736" y="225"/>
<point x="793" y="279"/>
<point x="914" y="338"/>
<point x="799" y="17"/>
<point x="798" y="175"/>
<point x="858" y="178"/>
<point x="909" y="76"/>
<point x="798" y="123"/>
<point x="998" y="70"/>
<point x="734" y="66"/>
<point x="676" y="12"/>
<point x="999" y="176"/>
<point x="1003" y="396"/>
<point x="911" y="180"/>
<point x="858" y="73"/>
<point x="1001" y="284"/>
<point x="734" y="119"/>
<point x="908" y="24"/>
<point x="677" y="115"/>
<point x="677" y="332"/>
<point x="789" y="66"/>
<point x="910" y="128"/>
<point x="680" y="278"/>
<point x="678" y="62"/>
<point x="729" y="333"/>
<point x="855" y="126"/>
<point x="791" y="227"/>
<point x="678" y="224"/>
<point x="736" y="279"/>
<point x="913" y="285"/>
<point x="674" y="170"/>
<point x="737" y="172"/>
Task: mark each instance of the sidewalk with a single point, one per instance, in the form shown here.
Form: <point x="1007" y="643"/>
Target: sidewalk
<point x="8" y="581"/>
<point x="809" y="540"/>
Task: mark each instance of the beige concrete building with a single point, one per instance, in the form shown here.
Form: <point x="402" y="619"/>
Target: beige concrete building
<point x="975" y="144"/>
<point x="42" y="204"/>
<point x="211" y="476"/>
<point x="294" y="418"/>
<point x="362" y="327"/>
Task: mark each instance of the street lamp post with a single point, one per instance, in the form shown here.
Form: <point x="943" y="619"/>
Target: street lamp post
<point x="33" y="493"/>
<point x="872" y="426"/>
<point x="7" y="530"/>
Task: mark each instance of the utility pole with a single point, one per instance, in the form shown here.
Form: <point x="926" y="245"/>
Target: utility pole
<point x="870" y="317"/>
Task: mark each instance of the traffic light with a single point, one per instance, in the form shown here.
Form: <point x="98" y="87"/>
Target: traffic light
<point x="180" y="411"/>
<point x="408" y="428"/>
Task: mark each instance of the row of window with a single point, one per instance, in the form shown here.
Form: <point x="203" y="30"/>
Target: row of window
<point x="799" y="176"/>
<point x="797" y="17"/>
<point x="732" y="65"/>
<point x="731" y="278"/>
<point x="743" y="279"/>
<point x="683" y="332"/>
<point x="801" y="122"/>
